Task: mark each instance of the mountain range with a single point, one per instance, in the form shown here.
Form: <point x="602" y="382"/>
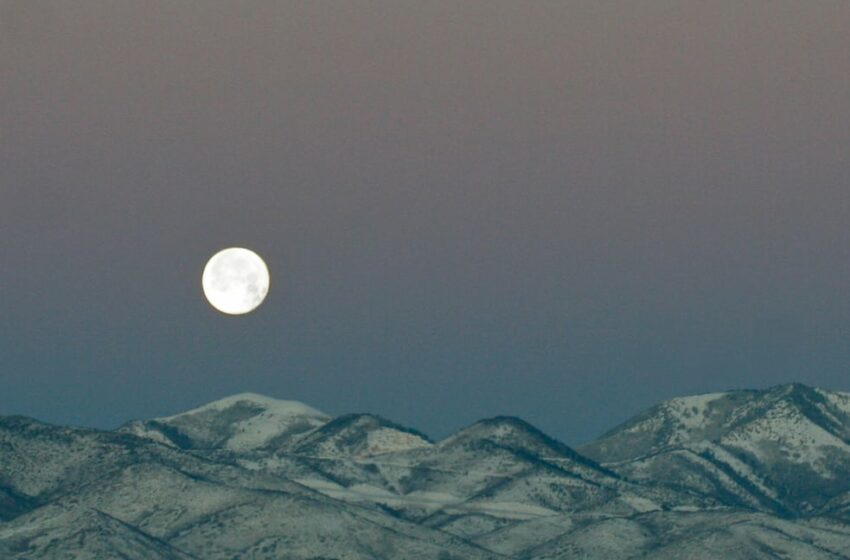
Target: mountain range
<point x="745" y="474"/>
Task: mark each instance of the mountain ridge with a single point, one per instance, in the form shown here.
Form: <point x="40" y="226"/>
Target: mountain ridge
<point x="733" y="475"/>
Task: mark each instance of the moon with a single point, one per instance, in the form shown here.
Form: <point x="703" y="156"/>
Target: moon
<point x="235" y="280"/>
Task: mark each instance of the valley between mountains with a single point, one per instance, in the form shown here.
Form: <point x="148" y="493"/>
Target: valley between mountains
<point x="751" y="474"/>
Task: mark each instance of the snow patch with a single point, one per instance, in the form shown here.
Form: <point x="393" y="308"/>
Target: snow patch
<point x="271" y="406"/>
<point x="641" y="505"/>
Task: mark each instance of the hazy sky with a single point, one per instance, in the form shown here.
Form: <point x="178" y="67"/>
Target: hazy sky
<point x="565" y="211"/>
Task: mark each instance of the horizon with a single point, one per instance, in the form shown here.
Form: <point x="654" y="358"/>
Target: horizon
<point x="436" y="438"/>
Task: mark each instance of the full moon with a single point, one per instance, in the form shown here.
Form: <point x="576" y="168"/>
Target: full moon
<point x="235" y="280"/>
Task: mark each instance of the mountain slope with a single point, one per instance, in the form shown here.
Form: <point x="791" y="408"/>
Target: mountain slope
<point x="784" y="449"/>
<point x="58" y="533"/>
<point x="697" y="536"/>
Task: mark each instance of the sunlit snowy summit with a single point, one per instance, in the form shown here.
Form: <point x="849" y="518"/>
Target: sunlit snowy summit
<point x="732" y="475"/>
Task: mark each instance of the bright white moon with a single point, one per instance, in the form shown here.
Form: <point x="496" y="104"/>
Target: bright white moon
<point x="235" y="280"/>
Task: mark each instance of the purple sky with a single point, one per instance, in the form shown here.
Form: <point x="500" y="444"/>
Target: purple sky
<point x="565" y="211"/>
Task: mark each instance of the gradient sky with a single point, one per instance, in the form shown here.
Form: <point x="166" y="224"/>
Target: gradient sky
<point x="566" y="211"/>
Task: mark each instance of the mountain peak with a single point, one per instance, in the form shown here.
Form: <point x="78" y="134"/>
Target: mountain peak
<point x="255" y="400"/>
<point x="361" y="435"/>
<point x="496" y="428"/>
<point x="516" y="434"/>
<point x="241" y="422"/>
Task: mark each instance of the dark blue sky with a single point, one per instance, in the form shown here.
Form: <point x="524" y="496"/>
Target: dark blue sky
<point x="565" y="211"/>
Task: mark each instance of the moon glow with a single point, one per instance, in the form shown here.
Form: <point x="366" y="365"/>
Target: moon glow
<point x="235" y="280"/>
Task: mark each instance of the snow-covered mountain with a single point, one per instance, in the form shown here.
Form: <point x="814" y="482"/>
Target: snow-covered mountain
<point x="108" y="495"/>
<point x="784" y="450"/>
<point x="242" y="422"/>
<point x="736" y="475"/>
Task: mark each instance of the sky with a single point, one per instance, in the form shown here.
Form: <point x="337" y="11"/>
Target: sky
<point x="565" y="211"/>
